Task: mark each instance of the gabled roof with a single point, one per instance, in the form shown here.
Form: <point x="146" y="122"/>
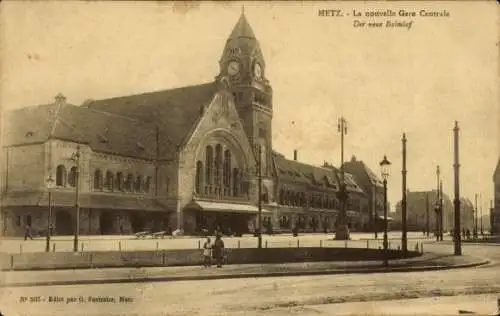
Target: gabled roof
<point x="103" y="132"/>
<point x="174" y="112"/>
<point x="358" y="167"/>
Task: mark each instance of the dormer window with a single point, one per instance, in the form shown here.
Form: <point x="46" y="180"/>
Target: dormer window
<point x="29" y="134"/>
<point x="140" y="146"/>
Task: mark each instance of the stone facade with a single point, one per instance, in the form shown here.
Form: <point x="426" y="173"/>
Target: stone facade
<point x="159" y="160"/>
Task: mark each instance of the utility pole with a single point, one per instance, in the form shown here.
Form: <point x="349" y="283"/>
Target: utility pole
<point x="456" y="167"/>
<point x="342" y="231"/>
<point x="475" y="216"/>
<point x="76" y="158"/>
<point x="437" y="208"/>
<point x="404" y="240"/>
<point x="259" y="175"/>
<point x="481" y="212"/>
<point x="441" y="211"/>
<point x="427" y="226"/>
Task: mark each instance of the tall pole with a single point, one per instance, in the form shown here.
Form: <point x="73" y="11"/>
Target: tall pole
<point x="77" y="204"/>
<point x="386" y="243"/>
<point x="259" y="191"/>
<point x="475" y="216"/>
<point x="492" y="219"/>
<point x="441" y="211"/>
<point x="427" y="226"/>
<point x="342" y="231"/>
<point x="49" y="221"/>
<point x="404" y="240"/>
<point x="437" y="203"/>
<point x="374" y="205"/>
<point x="481" y="212"/>
<point x="456" y="166"/>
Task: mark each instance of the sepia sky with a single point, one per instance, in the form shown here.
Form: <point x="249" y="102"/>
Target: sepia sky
<point x="383" y="81"/>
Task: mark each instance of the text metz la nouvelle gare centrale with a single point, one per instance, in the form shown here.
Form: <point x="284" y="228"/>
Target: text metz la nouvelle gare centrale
<point x="393" y="15"/>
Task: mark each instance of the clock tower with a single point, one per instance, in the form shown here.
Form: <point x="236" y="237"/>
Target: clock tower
<point x="243" y="68"/>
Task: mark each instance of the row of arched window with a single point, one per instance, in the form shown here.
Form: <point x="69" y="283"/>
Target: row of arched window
<point x="109" y="181"/>
<point x="217" y="176"/>
<point x="315" y="200"/>
<point x="121" y="182"/>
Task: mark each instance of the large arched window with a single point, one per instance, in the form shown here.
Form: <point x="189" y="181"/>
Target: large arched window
<point x="110" y="180"/>
<point x="199" y="177"/>
<point x="227" y="169"/>
<point x="129" y="183"/>
<point x="97" y="179"/>
<point x="119" y="181"/>
<point x="72" y="177"/>
<point x="218" y="164"/>
<point x="236" y="182"/>
<point x="209" y="161"/>
<point x="61" y="176"/>
<point x="138" y="184"/>
<point x="147" y="184"/>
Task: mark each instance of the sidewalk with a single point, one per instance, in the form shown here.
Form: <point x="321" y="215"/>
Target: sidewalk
<point x="426" y="262"/>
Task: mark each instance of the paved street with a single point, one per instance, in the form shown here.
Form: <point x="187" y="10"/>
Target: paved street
<point x="311" y="295"/>
<point x="130" y="243"/>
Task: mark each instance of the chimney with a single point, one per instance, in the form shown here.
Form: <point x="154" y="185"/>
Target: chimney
<point x="295" y="154"/>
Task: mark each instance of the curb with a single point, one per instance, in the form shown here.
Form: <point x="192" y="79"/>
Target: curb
<point x="246" y="275"/>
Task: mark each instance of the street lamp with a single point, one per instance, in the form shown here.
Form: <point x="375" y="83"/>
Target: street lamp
<point x="385" y="168"/>
<point x="341" y="230"/>
<point x="50" y="184"/>
<point x="76" y="158"/>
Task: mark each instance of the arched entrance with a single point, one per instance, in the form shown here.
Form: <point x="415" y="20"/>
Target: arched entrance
<point x="64" y="225"/>
<point x="106" y="223"/>
<point x="137" y="222"/>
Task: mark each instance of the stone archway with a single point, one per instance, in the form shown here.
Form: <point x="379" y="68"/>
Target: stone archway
<point x="64" y="224"/>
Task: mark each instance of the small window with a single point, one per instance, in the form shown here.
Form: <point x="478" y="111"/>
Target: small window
<point x="28" y="220"/>
<point x="29" y="134"/>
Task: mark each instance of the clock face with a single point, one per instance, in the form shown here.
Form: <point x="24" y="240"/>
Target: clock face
<point x="233" y="68"/>
<point x="257" y="71"/>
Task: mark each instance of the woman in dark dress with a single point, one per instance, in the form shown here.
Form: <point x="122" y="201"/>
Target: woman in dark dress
<point x="218" y="251"/>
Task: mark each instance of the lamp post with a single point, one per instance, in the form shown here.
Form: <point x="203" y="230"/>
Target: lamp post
<point x="481" y="214"/>
<point x="76" y="158"/>
<point x="404" y="240"/>
<point x="441" y="206"/>
<point x="456" y="166"/>
<point x="437" y="208"/>
<point x="342" y="231"/>
<point x="474" y="234"/>
<point x="259" y="179"/>
<point x="374" y="204"/>
<point x="385" y="166"/>
<point x="427" y="225"/>
<point x="50" y="183"/>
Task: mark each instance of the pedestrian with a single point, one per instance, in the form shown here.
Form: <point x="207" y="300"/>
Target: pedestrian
<point x="207" y="253"/>
<point x="218" y="250"/>
<point x="27" y="233"/>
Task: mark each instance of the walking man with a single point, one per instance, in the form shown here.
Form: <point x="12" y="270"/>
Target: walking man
<point x="27" y="233"/>
<point x="207" y="253"/>
<point x="218" y="251"/>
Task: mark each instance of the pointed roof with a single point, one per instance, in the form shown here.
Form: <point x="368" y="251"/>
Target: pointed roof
<point x="242" y="29"/>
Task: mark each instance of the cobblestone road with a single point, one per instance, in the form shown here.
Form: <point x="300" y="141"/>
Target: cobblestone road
<point x="261" y="295"/>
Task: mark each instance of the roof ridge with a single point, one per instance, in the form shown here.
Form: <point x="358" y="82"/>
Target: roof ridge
<point x="154" y="91"/>
<point x="115" y="115"/>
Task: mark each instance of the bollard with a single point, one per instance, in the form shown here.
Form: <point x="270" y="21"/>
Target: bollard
<point x="266" y="243"/>
<point x="321" y="243"/>
<point x="54" y="247"/>
<point x="199" y="244"/>
<point x="289" y="243"/>
<point x="82" y="246"/>
<point x="91" y="259"/>
<point x="422" y="247"/>
<point x="11" y="262"/>
<point x="345" y="243"/>
<point x="297" y="243"/>
<point x="163" y="259"/>
<point x="20" y="248"/>
<point x="157" y="246"/>
<point x="367" y="244"/>
<point x="120" y="246"/>
<point x="238" y="244"/>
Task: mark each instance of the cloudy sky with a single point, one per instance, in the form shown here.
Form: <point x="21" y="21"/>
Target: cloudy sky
<point x="384" y="81"/>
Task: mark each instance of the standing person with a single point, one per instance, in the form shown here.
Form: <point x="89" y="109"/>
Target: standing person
<point x="207" y="253"/>
<point x="27" y="233"/>
<point x="218" y="251"/>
